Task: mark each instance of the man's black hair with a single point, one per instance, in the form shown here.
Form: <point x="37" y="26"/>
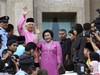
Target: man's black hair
<point x="13" y="37"/>
<point x="21" y="39"/>
<point x="78" y="27"/>
<point x="4" y="51"/>
<point x="63" y="30"/>
<point x="9" y="28"/>
<point x="94" y="56"/>
<point x="30" y="46"/>
<point x="89" y="47"/>
<point x="86" y="26"/>
<point x="10" y="42"/>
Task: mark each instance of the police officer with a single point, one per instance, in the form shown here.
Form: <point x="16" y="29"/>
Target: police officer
<point x="0" y="42"/>
<point x="3" y="25"/>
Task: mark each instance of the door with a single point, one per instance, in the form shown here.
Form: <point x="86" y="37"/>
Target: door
<point x="57" y="21"/>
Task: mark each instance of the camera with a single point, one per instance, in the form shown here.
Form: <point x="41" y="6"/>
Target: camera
<point x="86" y="34"/>
<point x="97" y="20"/>
<point x="98" y="10"/>
<point x="81" y="68"/>
<point x="8" y="66"/>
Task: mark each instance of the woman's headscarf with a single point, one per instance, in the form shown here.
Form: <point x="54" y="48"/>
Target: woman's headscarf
<point x="95" y="65"/>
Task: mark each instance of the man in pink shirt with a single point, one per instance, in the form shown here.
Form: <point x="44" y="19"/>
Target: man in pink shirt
<point x="29" y="34"/>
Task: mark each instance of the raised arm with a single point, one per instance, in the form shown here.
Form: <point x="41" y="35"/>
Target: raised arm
<point x="93" y="44"/>
<point x="97" y="36"/>
<point x="21" y="21"/>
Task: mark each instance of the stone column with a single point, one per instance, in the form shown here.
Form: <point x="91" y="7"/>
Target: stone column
<point x="87" y="10"/>
<point x="3" y="5"/>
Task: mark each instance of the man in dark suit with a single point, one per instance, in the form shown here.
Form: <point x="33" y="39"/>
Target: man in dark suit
<point x="80" y="42"/>
<point x="65" y="43"/>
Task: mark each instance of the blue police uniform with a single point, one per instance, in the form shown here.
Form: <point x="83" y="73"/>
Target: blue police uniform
<point x="3" y="34"/>
<point x="4" y="38"/>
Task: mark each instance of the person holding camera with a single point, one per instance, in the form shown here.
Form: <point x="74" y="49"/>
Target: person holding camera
<point x="95" y="48"/>
<point x="97" y="36"/>
<point x="95" y="33"/>
<point x="6" y="58"/>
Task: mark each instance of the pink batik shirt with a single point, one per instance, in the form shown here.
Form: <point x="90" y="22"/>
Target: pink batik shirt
<point x="29" y="36"/>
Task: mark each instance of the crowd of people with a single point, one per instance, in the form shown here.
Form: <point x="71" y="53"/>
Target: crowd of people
<point x="27" y="54"/>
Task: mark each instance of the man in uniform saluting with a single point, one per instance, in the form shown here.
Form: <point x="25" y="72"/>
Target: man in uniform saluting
<point x="3" y="25"/>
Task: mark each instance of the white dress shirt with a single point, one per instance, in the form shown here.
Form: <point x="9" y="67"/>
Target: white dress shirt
<point x="21" y="72"/>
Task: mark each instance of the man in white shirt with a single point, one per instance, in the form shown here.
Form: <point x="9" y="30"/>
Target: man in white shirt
<point x="21" y="43"/>
<point x="21" y="72"/>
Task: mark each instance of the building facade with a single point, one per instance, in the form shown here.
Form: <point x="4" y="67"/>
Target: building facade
<point x="51" y="14"/>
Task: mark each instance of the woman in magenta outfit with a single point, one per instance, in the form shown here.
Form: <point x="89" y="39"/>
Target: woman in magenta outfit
<point x="51" y="53"/>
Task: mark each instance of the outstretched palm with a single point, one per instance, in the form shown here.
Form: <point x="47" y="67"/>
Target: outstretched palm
<point x="25" y="11"/>
<point x="37" y="31"/>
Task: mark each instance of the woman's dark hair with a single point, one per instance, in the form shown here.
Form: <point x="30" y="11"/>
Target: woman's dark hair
<point x="30" y="46"/>
<point x="78" y="28"/>
<point x="10" y="42"/>
<point x="49" y="31"/>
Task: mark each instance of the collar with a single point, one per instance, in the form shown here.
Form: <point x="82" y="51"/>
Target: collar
<point x="21" y="71"/>
<point x="64" y="39"/>
<point x="2" y="29"/>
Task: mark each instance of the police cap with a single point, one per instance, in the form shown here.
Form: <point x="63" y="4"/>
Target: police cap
<point x="4" y="19"/>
